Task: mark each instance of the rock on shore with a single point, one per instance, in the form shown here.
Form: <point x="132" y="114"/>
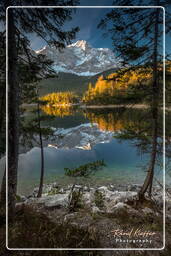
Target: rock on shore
<point x="102" y="199"/>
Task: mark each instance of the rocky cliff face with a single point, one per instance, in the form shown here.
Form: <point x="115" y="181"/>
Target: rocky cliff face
<point x="81" y="59"/>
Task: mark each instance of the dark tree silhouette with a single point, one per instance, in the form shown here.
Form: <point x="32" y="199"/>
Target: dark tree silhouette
<point x="46" y="23"/>
<point x="42" y="152"/>
<point x="137" y="36"/>
<point x="2" y="111"/>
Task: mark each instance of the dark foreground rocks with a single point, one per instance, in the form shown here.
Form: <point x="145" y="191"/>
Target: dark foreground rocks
<point x="114" y="218"/>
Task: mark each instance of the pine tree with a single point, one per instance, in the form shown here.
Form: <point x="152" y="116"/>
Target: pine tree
<point x="2" y="93"/>
<point x="42" y="152"/>
<point x="47" y="24"/>
<point x="2" y="112"/>
<point x="84" y="171"/>
<point x="137" y="38"/>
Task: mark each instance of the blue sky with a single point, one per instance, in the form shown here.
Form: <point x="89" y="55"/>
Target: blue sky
<point x="87" y="19"/>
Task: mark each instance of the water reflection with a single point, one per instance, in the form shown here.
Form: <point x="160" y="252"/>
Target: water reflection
<point x="106" y="122"/>
<point x="60" y="111"/>
<point x="124" y="163"/>
<point x="112" y="119"/>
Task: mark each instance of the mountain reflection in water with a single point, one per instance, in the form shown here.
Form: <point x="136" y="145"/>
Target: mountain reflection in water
<point x="124" y="163"/>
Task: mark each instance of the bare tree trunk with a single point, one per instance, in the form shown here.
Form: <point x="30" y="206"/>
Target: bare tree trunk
<point x="13" y="115"/>
<point x="2" y="109"/>
<point x="42" y="155"/>
<point x="2" y="119"/>
<point x="149" y="178"/>
<point x="154" y="109"/>
<point x="2" y="83"/>
<point x="3" y="189"/>
<point x="2" y="124"/>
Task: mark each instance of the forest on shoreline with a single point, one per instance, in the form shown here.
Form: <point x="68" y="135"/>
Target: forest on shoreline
<point x="125" y="87"/>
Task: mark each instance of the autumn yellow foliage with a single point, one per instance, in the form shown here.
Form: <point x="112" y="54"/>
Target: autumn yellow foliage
<point x="117" y="83"/>
<point x="60" y="98"/>
<point x="61" y="111"/>
<point x="105" y="122"/>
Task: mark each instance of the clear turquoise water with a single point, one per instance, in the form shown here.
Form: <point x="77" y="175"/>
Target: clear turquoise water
<point x="124" y="165"/>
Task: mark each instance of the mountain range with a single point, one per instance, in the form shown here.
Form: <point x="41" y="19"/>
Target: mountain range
<point x="81" y="59"/>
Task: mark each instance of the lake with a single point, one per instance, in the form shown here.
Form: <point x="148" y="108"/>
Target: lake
<point x="126" y="162"/>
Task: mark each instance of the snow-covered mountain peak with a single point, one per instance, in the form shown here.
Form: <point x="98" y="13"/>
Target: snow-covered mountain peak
<point x="81" y="58"/>
<point x="81" y="44"/>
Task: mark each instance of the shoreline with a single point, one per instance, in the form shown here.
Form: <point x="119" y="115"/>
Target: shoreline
<point x="138" y="106"/>
<point x="133" y="106"/>
<point x="55" y="188"/>
<point x="99" y="210"/>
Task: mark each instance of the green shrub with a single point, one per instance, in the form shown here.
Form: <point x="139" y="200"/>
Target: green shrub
<point x="75" y="200"/>
<point x="99" y="199"/>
